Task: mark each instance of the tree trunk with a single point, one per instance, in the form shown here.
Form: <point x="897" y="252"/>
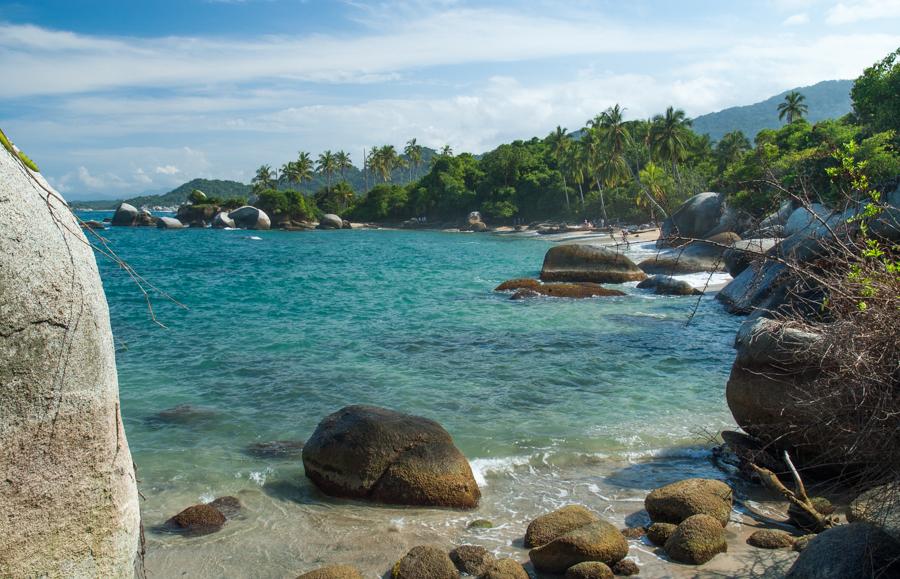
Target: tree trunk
<point x="566" y="191"/>
<point x="602" y="203"/>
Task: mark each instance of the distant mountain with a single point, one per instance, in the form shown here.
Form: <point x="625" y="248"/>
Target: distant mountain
<point x="826" y="100"/>
<point x="177" y="196"/>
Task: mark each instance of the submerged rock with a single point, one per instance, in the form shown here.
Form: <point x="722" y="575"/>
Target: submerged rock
<point x="591" y="263"/>
<point x="480" y="524"/>
<point x="697" y="539"/>
<point x="566" y="290"/>
<point x="425" y="561"/>
<point x="183" y="415"/>
<point x="771" y="539"/>
<point x="598" y="541"/>
<point x="197" y="520"/>
<point x="676" y="502"/>
<point x="518" y="283"/>
<point x="854" y="551"/>
<point x="668" y="285"/>
<point x="333" y="572"/>
<point x="381" y="455"/>
<point x="283" y="449"/>
<point x="229" y="506"/>
<point x="547" y="527"/>
<point x="589" y="570"/>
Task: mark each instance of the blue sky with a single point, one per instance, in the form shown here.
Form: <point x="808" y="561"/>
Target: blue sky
<point x="115" y="98"/>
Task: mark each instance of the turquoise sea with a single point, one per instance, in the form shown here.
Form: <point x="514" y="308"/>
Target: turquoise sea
<point x="553" y="401"/>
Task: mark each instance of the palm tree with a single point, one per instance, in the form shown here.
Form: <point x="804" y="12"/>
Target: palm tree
<point x="793" y="107"/>
<point x="730" y="148"/>
<point x="592" y="150"/>
<point x="263" y="178"/>
<point x="668" y="137"/>
<point x="413" y="152"/>
<point x="303" y="167"/>
<point x="653" y="178"/>
<point x="289" y="172"/>
<point x="559" y="148"/>
<point x="342" y="163"/>
<point x="446" y="151"/>
<point x="385" y="160"/>
<point x="326" y="166"/>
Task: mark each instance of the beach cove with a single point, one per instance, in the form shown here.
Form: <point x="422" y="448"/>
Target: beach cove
<point x="552" y="401"/>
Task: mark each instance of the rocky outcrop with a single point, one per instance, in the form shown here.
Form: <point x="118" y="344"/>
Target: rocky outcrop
<point x="68" y="498"/>
<point x="700" y="216"/>
<point x="517" y="284"/>
<point x="676" y="502"/>
<point x="331" y="221"/>
<point x="249" y="217"/>
<point x="697" y="539"/>
<point x="742" y="253"/>
<point x="197" y="215"/>
<point x="591" y="263"/>
<point x="854" y="551"/>
<point x="169" y="223"/>
<point x="547" y="527"/>
<point x="425" y="561"/>
<point x="598" y="541"/>
<point x="376" y="454"/>
<point x="668" y="285"/>
<point x="333" y="572"/>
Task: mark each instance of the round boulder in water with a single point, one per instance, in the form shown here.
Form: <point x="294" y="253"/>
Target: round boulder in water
<point x="331" y="221"/>
<point x="249" y="217"/>
<point x="376" y="454"/>
<point x="125" y="215"/>
<point x="598" y="541"/>
<point x="222" y="220"/>
<point x="547" y="527"/>
<point x="676" y="502"/>
<point x="197" y="520"/>
<point x="593" y="263"/>
<point x="697" y="539"/>
<point x="169" y="223"/>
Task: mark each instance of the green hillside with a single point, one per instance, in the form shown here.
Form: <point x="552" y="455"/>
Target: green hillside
<point x="829" y="99"/>
<point x="177" y="196"/>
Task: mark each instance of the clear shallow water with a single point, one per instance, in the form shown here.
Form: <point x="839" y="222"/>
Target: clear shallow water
<point x="552" y="400"/>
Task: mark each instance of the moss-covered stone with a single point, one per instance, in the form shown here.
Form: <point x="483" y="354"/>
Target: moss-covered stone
<point x="425" y="561"/>
<point x="634" y="532"/>
<point x="472" y="559"/>
<point x="197" y="520"/>
<point x="547" y="527"/>
<point x="676" y="502"/>
<point x="480" y="524"/>
<point x="567" y="290"/>
<point x="802" y="543"/>
<point x="626" y="568"/>
<point x="659" y="533"/>
<point x="770" y="539"/>
<point x="598" y="541"/>
<point x="697" y="539"/>
<point x="506" y="569"/>
<point x="589" y="570"/>
<point x="517" y="284"/>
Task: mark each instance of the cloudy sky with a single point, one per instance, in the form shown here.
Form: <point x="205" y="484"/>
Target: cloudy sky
<point x="114" y="98"/>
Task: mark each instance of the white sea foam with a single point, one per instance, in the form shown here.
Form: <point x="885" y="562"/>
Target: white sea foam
<point x="699" y="280"/>
<point x="482" y="466"/>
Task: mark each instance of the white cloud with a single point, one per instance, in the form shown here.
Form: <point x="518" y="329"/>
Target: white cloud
<point x="862" y="10"/>
<point x="796" y="19"/>
<point x="168" y="170"/>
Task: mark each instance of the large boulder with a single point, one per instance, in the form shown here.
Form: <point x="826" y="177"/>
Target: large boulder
<point x="472" y="559"/>
<point x="249" y="217"/>
<point x="425" y="561"/>
<point x="333" y="572"/>
<point x="222" y="220"/>
<point x="742" y="253"/>
<point x="372" y="453"/>
<point x="331" y="221"/>
<point x="125" y="215"/>
<point x="676" y="502"/>
<point x="659" y="533"/>
<point x="598" y="541"/>
<point x="668" y="285"/>
<point x="697" y="539"/>
<point x="68" y="498"/>
<point x="547" y="527"/>
<point x="762" y="284"/>
<point x="693" y="257"/>
<point x="592" y="263"/>
<point x="879" y="506"/>
<point x="197" y="215"/>
<point x="695" y="219"/>
<point x="169" y="223"/>
<point x="854" y="551"/>
<point x="804" y="219"/>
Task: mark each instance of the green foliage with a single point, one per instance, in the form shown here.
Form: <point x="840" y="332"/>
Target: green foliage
<point x="20" y="154"/>
<point x="384" y="202"/>
<point x="876" y="95"/>
<point x="290" y="204"/>
<point x="197" y="197"/>
<point x="335" y="199"/>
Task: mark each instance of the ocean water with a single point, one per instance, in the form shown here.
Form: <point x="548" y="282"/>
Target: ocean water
<point x="553" y="401"/>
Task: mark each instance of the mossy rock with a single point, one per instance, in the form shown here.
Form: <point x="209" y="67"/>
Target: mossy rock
<point x="425" y="561"/>
<point x="228" y="506"/>
<point x="599" y="541"/>
<point x="506" y="569"/>
<point x="566" y="290"/>
<point x="197" y="520"/>
<point x="472" y="559"/>
<point x="659" y="533"/>
<point x="517" y="284"/>
<point x="480" y="524"/>
<point x="771" y="539"/>
<point x="802" y="543"/>
<point x="626" y="568"/>
<point x="547" y="527"/>
<point x="676" y="502"/>
<point x="333" y="572"/>
<point x="634" y="532"/>
<point x="697" y="539"/>
<point x="589" y="570"/>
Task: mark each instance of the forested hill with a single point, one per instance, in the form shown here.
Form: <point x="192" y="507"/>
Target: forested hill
<point x="177" y="196"/>
<point x="828" y="99"/>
